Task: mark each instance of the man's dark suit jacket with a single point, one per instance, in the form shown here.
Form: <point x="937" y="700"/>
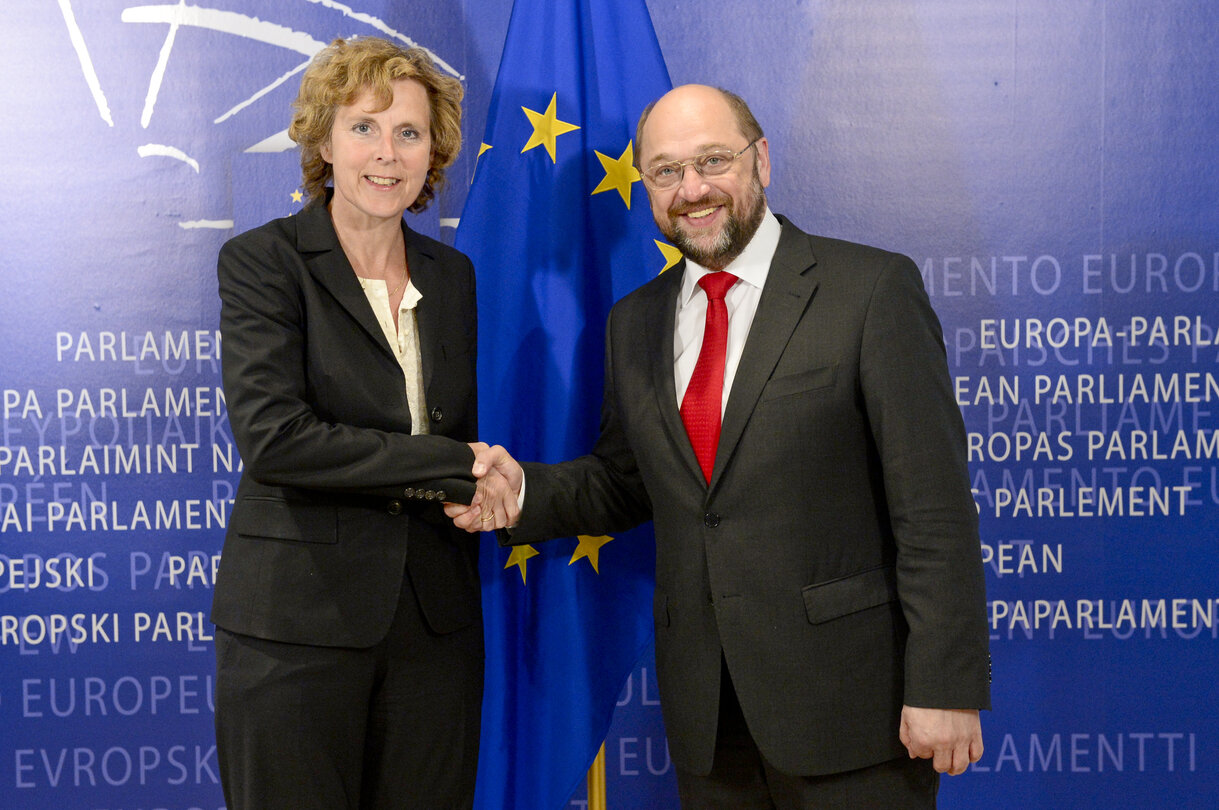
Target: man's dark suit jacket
<point x="337" y="500"/>
<point x="834" y="558"/>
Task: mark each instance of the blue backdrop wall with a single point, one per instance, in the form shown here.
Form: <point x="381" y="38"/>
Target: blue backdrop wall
<point x="1050" y="165"/>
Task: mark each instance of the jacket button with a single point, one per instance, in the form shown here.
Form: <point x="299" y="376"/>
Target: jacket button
<point x="711" y="520"/>
<point x="394" y="507"/>
<point x="429" y="495"/>
<point x="437" y="414"/>
<point x="440" y="494"/>
<point x="409" y="492"/>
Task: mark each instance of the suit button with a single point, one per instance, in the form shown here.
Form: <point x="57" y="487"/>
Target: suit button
<point x="409" y="492"/>
<point x="394" y="507"/>
<point x="711" y="520"/>
<point x="437" y="414"/>
<point x="429" y="495"/>
<point x="440" y="494"/>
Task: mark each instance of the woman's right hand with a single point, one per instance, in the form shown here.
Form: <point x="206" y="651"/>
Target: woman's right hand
<point x="496" y="502"/>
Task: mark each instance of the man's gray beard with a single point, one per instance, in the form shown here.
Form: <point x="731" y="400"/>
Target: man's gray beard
<point x="736" y="234"/>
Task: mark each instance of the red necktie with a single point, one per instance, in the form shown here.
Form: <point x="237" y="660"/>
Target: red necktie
<point x="700" y="409"/>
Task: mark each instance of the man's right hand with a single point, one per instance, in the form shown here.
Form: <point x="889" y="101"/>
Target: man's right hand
<point x="496" y="497"/>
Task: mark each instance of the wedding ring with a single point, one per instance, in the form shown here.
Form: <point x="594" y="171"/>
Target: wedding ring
<point x="489" y="517"/>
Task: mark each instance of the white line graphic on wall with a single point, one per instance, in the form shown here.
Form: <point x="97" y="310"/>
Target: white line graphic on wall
<point x="218" y="224"/>
<point x="368" y="19"/>
<point x="279" y="142"/>
<point x="86" y="63"/>
<point x="226" y="22"/>
<point x="158" y="72"/>
<point x="161" y="150"/>
<point x="241" y="106"/>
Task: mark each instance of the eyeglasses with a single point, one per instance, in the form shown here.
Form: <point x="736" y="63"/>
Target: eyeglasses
<point x="708" y="164"/>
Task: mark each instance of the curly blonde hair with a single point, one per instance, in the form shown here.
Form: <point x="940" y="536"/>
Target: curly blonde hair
<point x="343" y="70"/>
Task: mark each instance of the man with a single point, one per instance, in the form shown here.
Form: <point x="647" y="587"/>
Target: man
<point x="819" y="606"/>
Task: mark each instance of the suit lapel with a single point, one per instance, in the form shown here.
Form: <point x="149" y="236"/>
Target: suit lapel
<point x="315" y="237"/>
<point x="428" y="278"/>
<point x="786" y="296"/>
<point x="661" y="323"/>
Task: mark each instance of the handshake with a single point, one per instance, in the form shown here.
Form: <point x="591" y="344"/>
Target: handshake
<point x="497" y="494"/>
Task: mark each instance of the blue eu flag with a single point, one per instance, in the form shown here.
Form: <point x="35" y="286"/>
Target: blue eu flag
<point x="559" y="228"/>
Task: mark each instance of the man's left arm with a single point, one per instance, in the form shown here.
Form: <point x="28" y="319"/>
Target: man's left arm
<point x="921" y="440"/>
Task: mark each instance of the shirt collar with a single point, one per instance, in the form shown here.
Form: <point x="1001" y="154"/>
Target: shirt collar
<point x="411" y="296"/>
<point x="751" y="267"/>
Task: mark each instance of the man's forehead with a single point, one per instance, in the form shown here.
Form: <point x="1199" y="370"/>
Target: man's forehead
<point x="683" y="124"/>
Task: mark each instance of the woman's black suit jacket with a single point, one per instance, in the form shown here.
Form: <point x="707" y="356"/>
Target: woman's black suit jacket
<point x="336" y="498"/>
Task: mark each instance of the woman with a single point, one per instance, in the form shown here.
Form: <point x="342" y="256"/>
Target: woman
<point x="350" y="644"/>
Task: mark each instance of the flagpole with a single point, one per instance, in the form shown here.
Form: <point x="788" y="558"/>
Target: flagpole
<point x="596" y="782"/>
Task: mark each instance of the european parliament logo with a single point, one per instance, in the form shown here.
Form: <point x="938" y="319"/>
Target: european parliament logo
<point x="189" y="86"/>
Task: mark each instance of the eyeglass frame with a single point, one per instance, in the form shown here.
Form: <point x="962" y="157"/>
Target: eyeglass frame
<point x="647" y="177"/>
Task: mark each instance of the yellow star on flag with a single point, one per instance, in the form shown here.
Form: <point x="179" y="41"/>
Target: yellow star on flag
<point x="672" y="255"/>
<point x="589" y="547"/>
<point x="297" y="196"/>
<point x="482" y="150"/>
<point x="520" y="556"/>
<point x="546" y="128"/>
<point x="619" y="174"/>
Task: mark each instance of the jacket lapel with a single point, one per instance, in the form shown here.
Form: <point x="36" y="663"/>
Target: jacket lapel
<point x="316" y="239"/>
<point x="428" y="278"/>
<point x="789" y="288"/>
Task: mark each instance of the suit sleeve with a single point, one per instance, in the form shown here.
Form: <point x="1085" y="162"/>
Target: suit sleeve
<point x="920" y="438"/>
<point x="596" y="494"/>
<point x="281" y="438"/>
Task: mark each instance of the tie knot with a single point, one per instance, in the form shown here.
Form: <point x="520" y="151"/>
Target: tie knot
<point x="716" y="285"/>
